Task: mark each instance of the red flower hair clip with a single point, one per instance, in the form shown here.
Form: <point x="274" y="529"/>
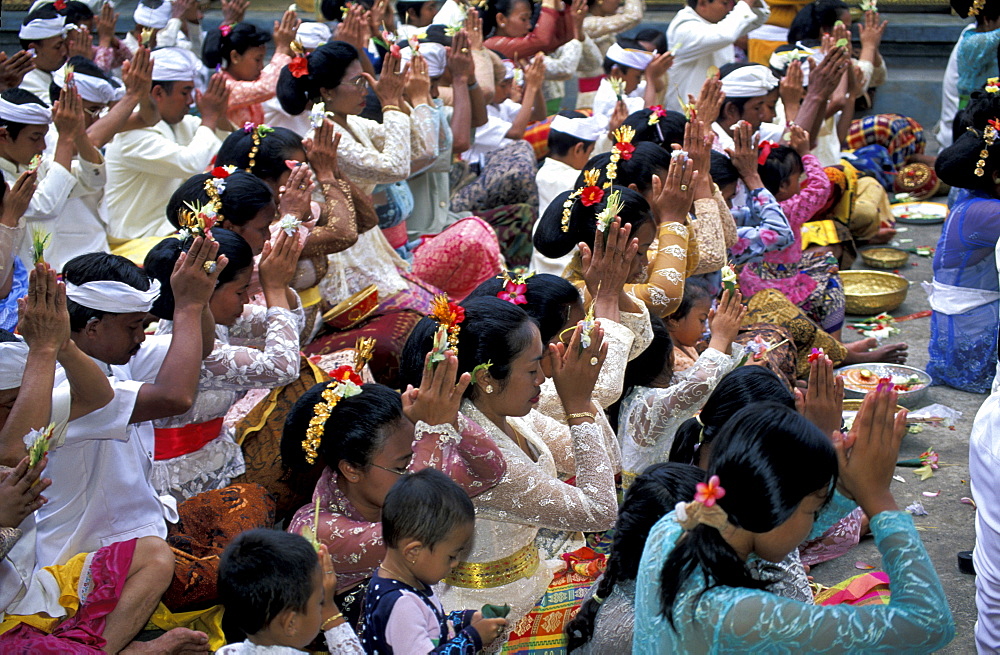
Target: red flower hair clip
<point x="225" y="29"/>
<point x="764" y="149"/>
<point x="515" y="288"/>
<point x="708" y="493"/>
<point x="59" y="5"/>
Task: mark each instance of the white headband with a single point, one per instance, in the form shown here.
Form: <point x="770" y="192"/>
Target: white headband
<point x="92" y="89"/>
<point x="782" y="60"/>
<point x="588" y="129"/>
<point x="13" y="356"/>
<point x="313" y="35"/>
<point x="433" y="53"/>
<point x="113" y="297"/>
<point x="508" y="69"/>
<point x="749" y="82"/>
<point x="638" y="59"/>
<point x="30" y="113"/>
<point x="174" y="65"/>
<point x="43" y="28"/>
<point x="153" y="15"/>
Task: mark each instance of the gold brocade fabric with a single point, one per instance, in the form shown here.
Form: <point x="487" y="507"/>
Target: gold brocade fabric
<point x="486" y="575"/>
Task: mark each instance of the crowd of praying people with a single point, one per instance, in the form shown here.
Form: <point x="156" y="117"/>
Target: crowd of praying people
<point x="472" y="326"/>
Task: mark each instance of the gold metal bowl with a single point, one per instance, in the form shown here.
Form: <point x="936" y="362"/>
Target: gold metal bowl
<point x="872" y="292"/>
<point x="348" y="313"/>
<point x="885" y="257"/>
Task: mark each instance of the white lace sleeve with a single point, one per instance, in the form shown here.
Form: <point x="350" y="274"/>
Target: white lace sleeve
<point x="387" y="160"/>
<point x="249" y="368"/>
<point x="250" y="329"/>
<point x="424" y="135"/>
<point x="528" y="496"/>
<point x="559" y="438"/>
<point x="341" y="640"/>
<point x="639" y="324"/>
<point x="652" y="417"/>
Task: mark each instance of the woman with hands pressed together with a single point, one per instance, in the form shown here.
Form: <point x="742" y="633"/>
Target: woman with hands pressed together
<point x="194" y="452"/>
<point x="365" y="444"/>
<point x="13" y="273"/>
<point x="759" y="504"/>
<point x="538" y="450"/>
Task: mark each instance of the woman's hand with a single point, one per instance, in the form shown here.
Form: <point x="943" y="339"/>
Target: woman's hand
<point x="578" y="11"/>
<point x="725" y="321"/>
<point x="709" y="102"/>
<point x="295" y="197"/>
<point x="460" y="62"/>
<point x="284" y="32"/>
<point x="791" y="90"/>
<point x="474" y="29"/>
<point x="417" y="87"/>
<point x="191" y="284"/>
<point x="354" y="29"/>
<point x="606" y="268"/>
<point x="698" y="145"/>
<point x="277" y="264"/>
<point x="321" y="151"/>
<point x="19" y="495"/>
<point x="389" y="86"/>
<point x="575" y="369"/>
<point x="43" y="319"/>
<point x="823" y="401"/>
<point x="868" y="457"/>
<point x="18" y="197"/>
<point x="674" y="195"/>
<point x="439" y="397"/>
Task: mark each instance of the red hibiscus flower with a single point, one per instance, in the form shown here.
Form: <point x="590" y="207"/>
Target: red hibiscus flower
<point x="298" y="66"/>
<point x="591" y="196"/>
<point x="220" y="172"/>
<point x="59" y="5"/>
<point x="346" y="374"/>
<point x="625" y="150"/>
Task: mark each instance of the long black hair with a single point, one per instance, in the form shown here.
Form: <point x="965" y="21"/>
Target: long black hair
<point x="493" y="331"/>
<point x="327" y="65"/>
<point x="218" y="46"/>
<point x="160" y="262"/>
<point x="269" y="161"/>
<point x="551" y="241"/>
<point x="647" y="160"/>
<point x="646" y="367"/>
<point x="651" y="496"/>
<point x="549" y="300"/>
<point x="355" y="432"/>
<point x="781" y="164"/>
<point x="244" y="196"/>
<point x="742" y="387"/>
<point x="759" y="458"/>
<point x="956" y="164"/>
<point x="666" y="131"/>
<point x="814" y="19"/>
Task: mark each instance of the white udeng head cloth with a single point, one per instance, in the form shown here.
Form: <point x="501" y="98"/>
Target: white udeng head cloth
<point x="113" y="297"/>
<point x="749" y="82"/>
<point x="151" y="13"/>
<point x="30" y="113"/>
<point x="313" y="35"/>
<point x="587" y="129"/>
<point x="13" y="356"/>
<point x="92" y="89"/>
<point x="433" y="53"/>
<point x="42" y="28"/>
<point x="638" y="59"/>
<point x="174" y="65"/>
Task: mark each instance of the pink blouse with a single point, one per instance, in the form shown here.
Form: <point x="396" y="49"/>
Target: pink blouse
<point x="470" y="458"/>
<point x="801" y="207"/>
<point x="245" y="98"/>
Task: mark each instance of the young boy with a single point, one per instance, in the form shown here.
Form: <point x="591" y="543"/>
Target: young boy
<point x="643" y="74"/>
<point x="427" y="522"/>
<point x="280" y="594"/>
<point x="572" y="136"/>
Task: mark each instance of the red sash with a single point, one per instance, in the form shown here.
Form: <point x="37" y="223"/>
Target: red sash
<point x="174" y="442"/>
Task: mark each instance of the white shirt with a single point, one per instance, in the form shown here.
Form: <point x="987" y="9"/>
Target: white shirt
<point x="101" y="492"/>
<point x="703" y="44"/>
<point x="605" y="99"/>
<point x="59" y="207"/>
<point x="340" y="640"/>
<point x="275" y="116"/>
<point x="552" y="178"/>
<point x="146" y="166"/>
<point x="38" y="82"/>
<point x="493" y="135"/>
<point x="949" y="95"/>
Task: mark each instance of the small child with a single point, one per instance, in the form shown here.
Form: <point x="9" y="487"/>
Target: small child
<point x="280" y="594"/>
<point x="689" y="323"/>
<point x="427" y="522"/>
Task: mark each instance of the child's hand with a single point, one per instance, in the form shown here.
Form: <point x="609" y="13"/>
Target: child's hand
<point x="725" y="321"/>
<point x="798" y="139"/>
<point x="488" y="629"/>
<point x="823" y="400"/>
<point x="19" y="495"/>
<point x="329" y="579"/>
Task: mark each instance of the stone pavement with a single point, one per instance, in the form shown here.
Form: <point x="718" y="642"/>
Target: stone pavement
<point x="949" y="524"/>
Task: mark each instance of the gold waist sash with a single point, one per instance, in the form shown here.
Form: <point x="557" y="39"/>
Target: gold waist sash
<point x="486" y="575"/>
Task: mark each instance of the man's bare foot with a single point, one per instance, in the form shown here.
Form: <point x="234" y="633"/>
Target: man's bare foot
<point x="860" y="352"/>
<point x="179" y="641"/>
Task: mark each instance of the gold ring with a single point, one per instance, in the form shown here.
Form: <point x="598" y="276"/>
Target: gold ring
<point x="209" y="266"/>
<point x="594" y="361"/>
<point x="464" y="50"/>
<point x="684" y="187"/>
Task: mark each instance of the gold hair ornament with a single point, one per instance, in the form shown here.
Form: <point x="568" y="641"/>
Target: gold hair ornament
<point x="590" y="194"/>
<point x="989" y="136"/>
<point x="256" y="132"/>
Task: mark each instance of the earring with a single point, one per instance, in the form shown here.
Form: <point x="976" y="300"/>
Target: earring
<point x="489" y="388"/>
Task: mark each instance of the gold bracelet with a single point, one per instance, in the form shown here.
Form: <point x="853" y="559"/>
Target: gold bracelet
<point x="386" y="108"/>
<point x="582" y="415"/>
<point x="336" y="616"/>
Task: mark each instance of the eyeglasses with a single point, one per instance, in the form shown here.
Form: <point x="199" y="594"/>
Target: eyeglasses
<point x="94" y="113"/>
<point x="360" y="81"/>
<point x="401" y="471"/>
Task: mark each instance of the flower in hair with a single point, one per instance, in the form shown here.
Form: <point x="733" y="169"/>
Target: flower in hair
<point x="764" y="149"/>
<point x="590" y="178"/>
<point x="222" y="172"/>
<point x="610" y="211"/>
<point x="317" y="114"/>
<point x="591" y="195"/>
<point x="514" y="288"/>
<point x="225" y="29"/>
<point x="622" y="149"/>
<point x="656" y="112"/>
<point x="449" y="315"/>
<point x="59" y="5"/>
<point x="197" y="220"/>
<point x="709" y="492"/>
<point x="993" y="85"/>
<point x="977" y="6"/>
